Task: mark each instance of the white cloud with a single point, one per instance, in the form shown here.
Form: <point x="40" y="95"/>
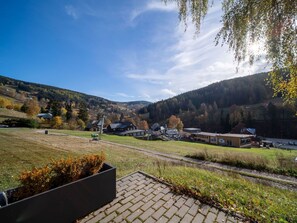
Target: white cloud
<point x="71" y="11"/>
<point x="168" y="92"/>
<point x="188" y="62"/>
<point x="124" y="95"/>
<point x="153" y="5"/>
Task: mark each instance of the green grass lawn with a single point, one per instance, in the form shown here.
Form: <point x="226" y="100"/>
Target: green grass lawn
<point x="263" y="203"/>
<point x="273" y="160"/>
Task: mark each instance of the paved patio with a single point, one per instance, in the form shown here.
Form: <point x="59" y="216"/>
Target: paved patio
<point x="141" y="198"/>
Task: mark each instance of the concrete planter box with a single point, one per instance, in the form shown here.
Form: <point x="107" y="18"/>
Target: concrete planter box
<point x="65" y="203"/>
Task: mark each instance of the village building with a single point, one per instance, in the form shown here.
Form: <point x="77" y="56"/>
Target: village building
<point x="118" y="127"/>
<point x="228" y="139"/>
<point x="135" y="133"/>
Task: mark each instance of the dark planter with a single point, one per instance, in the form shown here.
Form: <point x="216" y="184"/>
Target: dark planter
<point x="66" y="203"/>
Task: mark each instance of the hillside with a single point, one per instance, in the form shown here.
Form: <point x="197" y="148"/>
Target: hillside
<point x="228" y="105"/>
<point x="19" y="91"/>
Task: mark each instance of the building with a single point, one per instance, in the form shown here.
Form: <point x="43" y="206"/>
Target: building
<point x="118" y="127"/>
<point x="228" y="139"/>
<point x="47" y="116"/>
<point x="135" y="133"/>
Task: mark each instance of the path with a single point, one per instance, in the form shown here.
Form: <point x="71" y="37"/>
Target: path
<point x="142" y="198"/>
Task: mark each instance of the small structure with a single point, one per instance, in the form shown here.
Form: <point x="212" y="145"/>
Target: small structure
<point x="47" y="116"/>
<point x="135" y="133"/>
<point x="228" y="139"/>
<point x="192" y="130"/>
<point x="118" y="127"/>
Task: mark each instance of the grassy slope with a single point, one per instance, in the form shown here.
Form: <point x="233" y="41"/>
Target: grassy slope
<point x="187" y="148"/>
<point x="264" y="203"/>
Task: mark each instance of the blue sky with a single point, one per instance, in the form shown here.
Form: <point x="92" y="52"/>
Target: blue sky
<point x="119" y="50"/>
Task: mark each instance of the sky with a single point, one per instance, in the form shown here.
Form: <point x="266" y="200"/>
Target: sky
<point x="120" y="50"/>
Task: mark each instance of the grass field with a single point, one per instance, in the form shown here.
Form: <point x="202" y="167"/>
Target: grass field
<point x="21" y="149"/>
<point x="272" y="160"/>
<point x="7" y="114"/>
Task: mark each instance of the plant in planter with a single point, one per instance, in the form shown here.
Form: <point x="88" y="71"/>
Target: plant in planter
<point x="62" y="191"/>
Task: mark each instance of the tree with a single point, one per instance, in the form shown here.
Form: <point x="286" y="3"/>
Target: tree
<point x="246" y="22"/>
<point x="57" y="122"/>
<point x="143" y="125"/>
<point x="175" y="122"/>
<point x="31" y="107"/>
<point x="83" y="112"/>
<point x="69" y="112"/>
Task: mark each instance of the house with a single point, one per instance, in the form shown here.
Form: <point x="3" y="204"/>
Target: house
<point x="235" y="140"/>
<point x="172" y="133"/>
<point x="47" y="116"/>
<point x="118" y="127"/>
<point x="192" y="130"/>
<point x="135" y="133"/>
<point x="206" y="137"/>
<point x="228" y="139"/>
<point x="94" y="125"/>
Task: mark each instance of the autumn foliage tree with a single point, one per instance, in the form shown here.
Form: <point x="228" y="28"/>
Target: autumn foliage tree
<point x="175" y="122"/>
<point x="31" y="107"/>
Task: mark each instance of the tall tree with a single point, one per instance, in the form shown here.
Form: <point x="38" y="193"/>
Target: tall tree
<point x="83" y="112"/>
<point x="246" y="22"/>
<point x="31" y="107"/>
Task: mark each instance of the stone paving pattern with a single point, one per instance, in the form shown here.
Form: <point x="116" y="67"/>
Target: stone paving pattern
<point x="141" y="198"/>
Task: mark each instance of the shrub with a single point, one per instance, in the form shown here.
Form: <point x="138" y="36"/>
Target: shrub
<point x="21" y="122"/>
<point x="56" y="174"/>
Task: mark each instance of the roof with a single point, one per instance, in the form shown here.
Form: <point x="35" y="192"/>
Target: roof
<point x="207" y="134"/>
<point x="235" y="135"/>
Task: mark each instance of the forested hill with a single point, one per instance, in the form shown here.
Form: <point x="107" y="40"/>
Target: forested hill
<point x="239" y="91"/>
<point x="221" y="106"/>
<point x="19" y="91"/>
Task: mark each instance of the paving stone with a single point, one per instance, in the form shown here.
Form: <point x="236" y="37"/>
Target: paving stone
<point x="167" y="197"/>
<point x="158" y="204"/>
<point x="204" y="209"/>
<point x="188" y="218"/>
<point x="113" y="208"/>
<point x="193" y="210"/>
<point x="171" y="212"/>
<point x="96" y="218"/>
<point x="182" y="211"/>
<point x="162" y="219"/>
<point x="199" y="218"/>
<point x="147" y="214"/>
<point x="149" y="191"/>
<point x="124" y="207"/>
<point x="136" y="206"/>
<point x="190" y="202"/>
<point x="134" y="215"/>
<point x="147" y="205"/>
<point x="210" y="218"/>
<point x="214" y="210"/>
<point x="169" y="203"/>
<point x="138" y="199"/>
<point x="150" y="220"/>
<point x="126" y="200"/>
<point x="159" y="213"/>
<point x="158" y="197"/>
<point x="175" y="219"/>
<point x="180" y="202"/>
<point x="142" y="199"/>
<point x="108" y="218"/>
<point x="221" y="217"/>
<point x="121" y="217"/>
